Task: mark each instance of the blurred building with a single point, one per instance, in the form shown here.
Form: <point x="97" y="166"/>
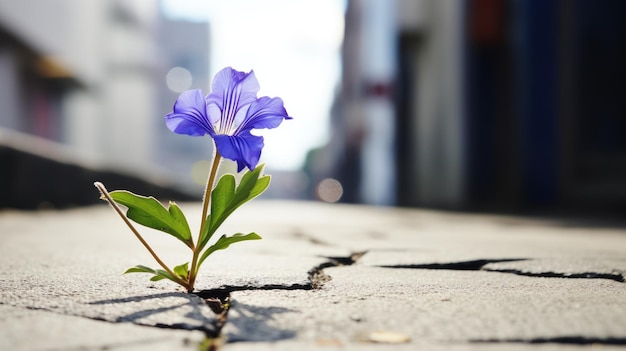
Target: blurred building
<point x="482" y="104"/>
<point x="82" y="73"/>
<point x="87" y="79"/>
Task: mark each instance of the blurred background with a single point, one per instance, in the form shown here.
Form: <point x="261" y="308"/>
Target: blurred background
<point x="485" y="105"/>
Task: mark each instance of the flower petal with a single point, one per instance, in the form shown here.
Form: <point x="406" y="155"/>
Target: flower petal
<point x="265" y="112"/>
<point x="189" y="116"/>
<point x="231" y="91"/>
<point x="244" y="148"/>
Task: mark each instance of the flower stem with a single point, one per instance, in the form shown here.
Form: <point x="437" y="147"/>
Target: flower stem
<point x="107" y="197"/>
<point x="205" y="212"/>
<point x="209" y="187"/>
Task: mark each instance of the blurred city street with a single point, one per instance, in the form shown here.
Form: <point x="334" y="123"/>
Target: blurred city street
<point x="488" y="105"/>
<point x="446" y="174"/>
<point x="325" y="276"/>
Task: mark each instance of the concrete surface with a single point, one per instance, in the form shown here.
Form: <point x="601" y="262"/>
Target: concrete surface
<point x="332" y="277"/>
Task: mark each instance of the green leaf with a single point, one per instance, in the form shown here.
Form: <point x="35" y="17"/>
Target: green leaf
<point x="179" y="217"/>
<point x="149" y="212"/>
<point x="226" y="198"/>
<point x="159" y="274"/>
<point x="140" y="269"/>
<point x="251" y="185"/>
<point x="164" y="275"/>
<point x="225" y="241"/>
<point x="222" y="195"/>
<point x="182" y="271"/>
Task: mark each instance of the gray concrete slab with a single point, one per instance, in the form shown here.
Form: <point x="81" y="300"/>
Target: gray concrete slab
<point x="433" y="306"/>
<point x="331" y="276"/>
<point x="28" y="329"/>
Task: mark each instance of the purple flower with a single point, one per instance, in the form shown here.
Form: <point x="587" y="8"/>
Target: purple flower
<point x="228" y="114"/>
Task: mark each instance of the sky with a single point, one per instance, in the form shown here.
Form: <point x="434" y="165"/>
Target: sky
<point x="293" y="47"/>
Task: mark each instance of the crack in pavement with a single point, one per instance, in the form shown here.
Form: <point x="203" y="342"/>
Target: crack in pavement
<point x="317" y="278"/>
<point x="479" y="265"/>
<point x="584" y="275"/>
<point x="473" y="265"/>
<point x="193" y="306"/>
<point x="219" y="300"/>
<point x="567" y="340"/>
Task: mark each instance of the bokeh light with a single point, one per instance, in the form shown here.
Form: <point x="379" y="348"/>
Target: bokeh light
<point x="178" y="79"/>
<point x="329" y="190"/>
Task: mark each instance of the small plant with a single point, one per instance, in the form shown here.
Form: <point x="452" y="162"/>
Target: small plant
<point x="228" y="115"/>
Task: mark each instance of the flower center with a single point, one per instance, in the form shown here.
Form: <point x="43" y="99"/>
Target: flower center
<point x="232" y="119"/>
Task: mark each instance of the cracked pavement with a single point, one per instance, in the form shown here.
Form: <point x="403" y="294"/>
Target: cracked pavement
<point x="324" y="276"/>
